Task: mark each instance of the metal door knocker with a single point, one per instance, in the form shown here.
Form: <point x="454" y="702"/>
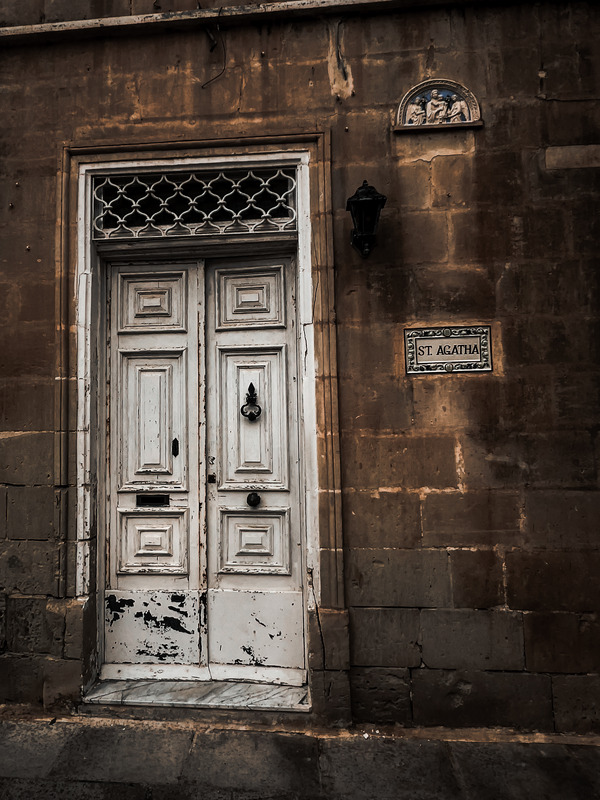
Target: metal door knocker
<point x="251" y="409"/>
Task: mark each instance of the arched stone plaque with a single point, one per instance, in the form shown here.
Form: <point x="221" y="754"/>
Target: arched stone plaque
<point x="437" y="104"/>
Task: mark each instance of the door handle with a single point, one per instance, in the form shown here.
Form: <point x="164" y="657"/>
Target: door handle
<point x="251" y="409"/>
<point x="253" y="499"/>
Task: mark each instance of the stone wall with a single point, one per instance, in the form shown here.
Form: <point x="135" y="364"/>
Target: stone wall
<point x="35" y="12"/>
<point x="472" y="548"/>
<point x="470" y="502"/>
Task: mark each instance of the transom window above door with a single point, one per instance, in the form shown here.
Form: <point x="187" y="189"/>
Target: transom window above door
<point x="207" y="202"/>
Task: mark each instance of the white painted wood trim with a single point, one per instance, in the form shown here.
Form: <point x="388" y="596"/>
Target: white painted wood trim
<point x="83" y="302"/>
<point x="307" y="364"/>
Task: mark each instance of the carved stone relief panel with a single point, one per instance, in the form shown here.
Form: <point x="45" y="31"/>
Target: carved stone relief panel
<point x="437" y="103"/>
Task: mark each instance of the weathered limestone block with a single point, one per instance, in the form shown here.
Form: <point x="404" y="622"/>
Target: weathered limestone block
<point x="562" y="519"/>
<point x="31" y="629"/>
<point x="465" y="639"/>
<point x="476" y="578"/>
<point x="384" y="637"/>
<point x="562" y="642"/>
<point x="381" y="695"/>
<point x="471" y="519"/>
<point x="470" y="698"/>
<point x="397" y="578"/>
<point x="553" y="580"/>
<point x="334" y="632"/>
<point x="31" y="512"/>
<point x="27" y="458"/>
<point x="577" y="703"/>
<point x="26" y="404"/>
<point x="381" y="519"/>
<point x="16" y="12"/>
<point x="451" y="292"/>
<point x="29" y="568"/>
<point x="330" y="694"/>
<point x="403" y="461"/>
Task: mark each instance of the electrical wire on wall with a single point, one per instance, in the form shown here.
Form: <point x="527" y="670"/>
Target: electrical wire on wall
<point x="213" y="44"/>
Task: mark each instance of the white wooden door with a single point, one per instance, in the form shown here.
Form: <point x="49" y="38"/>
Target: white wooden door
<point x="255" y="612"/>
<point x="204" y="561"/>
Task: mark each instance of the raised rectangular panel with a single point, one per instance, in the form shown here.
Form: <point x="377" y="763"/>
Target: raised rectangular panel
<point x="150" y="303"/>
<point x="254" y="543"/>
<point x="152" y="627"/>
<point x="151" y="416"/>
<point x="152" y="543"/>
<point x="253" y="452"/>
<point x="250" y="298"/>
<point x="256" y="628"/>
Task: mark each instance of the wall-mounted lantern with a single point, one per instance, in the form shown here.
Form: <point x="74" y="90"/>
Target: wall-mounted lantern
<point x="365" y="206"/>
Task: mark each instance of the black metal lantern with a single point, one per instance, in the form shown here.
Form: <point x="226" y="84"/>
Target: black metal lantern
<point x="365" y="206"/>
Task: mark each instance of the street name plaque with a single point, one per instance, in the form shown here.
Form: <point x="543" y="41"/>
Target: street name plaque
<point x="447" y="350"/>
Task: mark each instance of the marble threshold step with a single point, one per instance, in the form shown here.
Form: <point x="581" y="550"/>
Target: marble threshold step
<point x="199" y="694"/>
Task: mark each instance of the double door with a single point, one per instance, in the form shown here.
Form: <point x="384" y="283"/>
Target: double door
<point x="203" y="497"/>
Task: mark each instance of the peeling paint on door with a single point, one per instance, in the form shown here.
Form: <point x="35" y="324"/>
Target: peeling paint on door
<point x="152" y="627"/>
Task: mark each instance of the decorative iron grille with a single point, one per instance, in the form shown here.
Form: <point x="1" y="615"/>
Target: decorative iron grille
<point x="202" y="202"/>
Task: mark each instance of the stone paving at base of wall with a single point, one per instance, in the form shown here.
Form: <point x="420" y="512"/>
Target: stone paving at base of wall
<point x="75" y="758"/>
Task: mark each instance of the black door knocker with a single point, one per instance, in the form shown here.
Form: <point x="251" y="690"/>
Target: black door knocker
<point x="251" y="409"/>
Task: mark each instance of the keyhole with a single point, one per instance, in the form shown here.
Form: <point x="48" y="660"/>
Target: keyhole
<point x="175" y="447"/>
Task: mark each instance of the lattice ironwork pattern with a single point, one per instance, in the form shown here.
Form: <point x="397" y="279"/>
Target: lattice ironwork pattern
<point x="257" y="200"/>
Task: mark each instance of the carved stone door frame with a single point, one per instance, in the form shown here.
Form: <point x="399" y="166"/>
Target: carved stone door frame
<point x="323" y="557"/>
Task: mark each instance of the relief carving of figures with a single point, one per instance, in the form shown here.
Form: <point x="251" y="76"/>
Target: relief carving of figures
<point x="416" y="113"/>
<point x="437" y="108"/>
<point x="458" y="111"/>
<point x="437" y="102"/>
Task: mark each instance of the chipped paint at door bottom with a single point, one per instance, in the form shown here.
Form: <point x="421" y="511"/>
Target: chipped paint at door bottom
<point x="261" y="629"/>
<point x="152" y="627"/>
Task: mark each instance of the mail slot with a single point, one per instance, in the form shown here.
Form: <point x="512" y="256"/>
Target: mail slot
<point x="151" y="500"/>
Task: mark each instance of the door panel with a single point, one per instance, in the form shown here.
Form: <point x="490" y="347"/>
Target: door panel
<point x="152" y="627"/>
<point x="250" y="299"/>
<point x="252" y="452"/>
<point x="254" y="543"/>
<point x="153" y="419"/>
<point x="153" y="542"/>
<point x="256" y="629"/>
<point x="151" y="303"/>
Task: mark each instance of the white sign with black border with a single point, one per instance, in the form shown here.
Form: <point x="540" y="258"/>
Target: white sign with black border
<point x="465" y="348"/>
